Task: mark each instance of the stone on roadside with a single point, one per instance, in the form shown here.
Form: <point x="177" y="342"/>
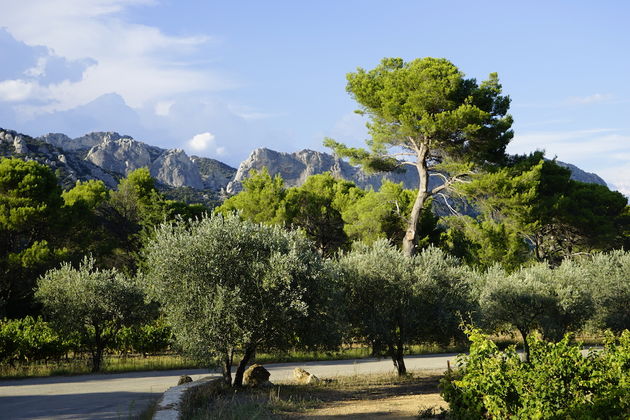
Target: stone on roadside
<point x="184" y="379"/>
<point x="304" y="377"/>
<point x="256" y="376"/>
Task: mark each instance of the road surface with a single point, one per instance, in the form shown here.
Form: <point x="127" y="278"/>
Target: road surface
<point x="121" y="395"/>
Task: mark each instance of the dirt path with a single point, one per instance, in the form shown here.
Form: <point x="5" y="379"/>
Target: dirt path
<point x="402" y="407"/>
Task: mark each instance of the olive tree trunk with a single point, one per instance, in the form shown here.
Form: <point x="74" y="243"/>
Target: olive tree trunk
<point x="238" y="376"/>
<point x="524" y="333"/>
<point x="226" y="367"/>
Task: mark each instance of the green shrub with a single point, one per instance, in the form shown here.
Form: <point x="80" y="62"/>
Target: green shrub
<point x="151" y="338"/>
<point x="29" y="339"/>
<point x="558" y="382"/>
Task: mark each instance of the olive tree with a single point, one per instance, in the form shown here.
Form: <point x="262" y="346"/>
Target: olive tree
<point x="230" y="286"/>
<point x="95" y="303"/>
<point x="553" y="301"/>
<point x="393" y="300"/>
<point x="608" y="277"/>
<point x="422" y="114"/>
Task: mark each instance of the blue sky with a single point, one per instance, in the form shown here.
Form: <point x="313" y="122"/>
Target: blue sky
<point x="219" y="78"/>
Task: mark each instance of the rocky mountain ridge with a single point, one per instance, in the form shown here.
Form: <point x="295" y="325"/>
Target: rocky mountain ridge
<point x="295" y="167"/>
<point x="109" y="156"/>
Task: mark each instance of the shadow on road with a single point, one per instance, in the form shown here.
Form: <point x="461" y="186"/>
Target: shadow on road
<point x="76" y="406"/>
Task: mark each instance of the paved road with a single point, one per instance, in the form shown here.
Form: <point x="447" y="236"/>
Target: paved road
<point x="120" y="396"/>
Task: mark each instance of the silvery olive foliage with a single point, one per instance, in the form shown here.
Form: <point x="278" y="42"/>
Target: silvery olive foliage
<point x="95" y="303"/>
<point x="608" y="277"/>
<point x="537" y="297"/>
<point x="393" y="300"/>
<point x="229" y="285"/>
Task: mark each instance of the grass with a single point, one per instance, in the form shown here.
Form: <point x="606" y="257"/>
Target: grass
<point x="136" y="363"/>
<point x="111" y="364"/>
<point x="289" y="400"/>
<point x="353" y="352"/>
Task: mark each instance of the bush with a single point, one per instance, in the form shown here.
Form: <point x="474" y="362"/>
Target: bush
<point x="146" y="339"/>
<point x="29" y="339"/>
<point x="558" y="382"/>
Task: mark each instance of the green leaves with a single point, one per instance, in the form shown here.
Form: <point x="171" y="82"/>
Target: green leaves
<point x="94" y="303"/>
<point x="534" y="202"/>
<point x="228" y="284"/>
<point x="428" y="100"/>
<point x="394" y="300"/>
<point x="422" y="113"/>
<point x="558" y="383"/>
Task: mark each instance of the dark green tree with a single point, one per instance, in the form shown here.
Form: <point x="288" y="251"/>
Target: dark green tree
<point x="531" y="208"/>
<point x="30" y="211"/>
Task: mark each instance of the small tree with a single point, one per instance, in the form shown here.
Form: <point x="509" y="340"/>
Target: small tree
<point x="422" y="113"/>
<point x="229" y="286"/>
<point x="393" y="300"/>
<point x="536" y="298"/>
<point x="96" y="303"/>
<point x="608" y="277"/>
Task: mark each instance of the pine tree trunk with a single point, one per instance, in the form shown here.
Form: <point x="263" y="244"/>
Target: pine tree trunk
<point x="409" y="241"/>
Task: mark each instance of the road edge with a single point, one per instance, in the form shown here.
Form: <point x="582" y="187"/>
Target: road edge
<point x="169" y="405"/>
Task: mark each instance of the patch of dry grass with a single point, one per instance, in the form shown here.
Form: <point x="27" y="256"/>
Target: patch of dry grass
<point x="357" y="396"/>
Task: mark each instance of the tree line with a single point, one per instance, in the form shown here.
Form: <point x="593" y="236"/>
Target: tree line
<point x="41" y="226"/>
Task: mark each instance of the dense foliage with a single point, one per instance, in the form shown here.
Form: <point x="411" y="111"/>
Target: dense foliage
<point x="536" y="298"/>
<point x="42" y="226"/>
<point x="558" y="383"/>
<point x="425" y="114"/>
<point x="93" y="303"/>
<point x="531" y="209"/>
<point x="393" y="300"/>
<point x="29" y="340"/>
<point x="332" y="212"/>
<point x="230" y="286"/>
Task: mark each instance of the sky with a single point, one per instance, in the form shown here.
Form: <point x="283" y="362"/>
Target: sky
<point x="220" y="78"/>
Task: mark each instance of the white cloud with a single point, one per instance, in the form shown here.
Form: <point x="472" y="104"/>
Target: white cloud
<point x="205" y="142"/>
<point x="201" y="141"/>
<point x="592" y="99"/>
<point x="139" y="62"/>
<point x="17" y="90"/>
<point x="605" y="152"/>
